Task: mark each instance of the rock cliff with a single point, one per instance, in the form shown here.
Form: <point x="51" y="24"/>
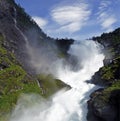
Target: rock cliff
<point x="104" y="103"/>
<point x="17" y="75"/>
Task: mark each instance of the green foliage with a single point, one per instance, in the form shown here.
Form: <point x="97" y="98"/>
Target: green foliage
<point x="108" y="73"/>
<point x="31" y="88"/>
<point x="114" y="86"/>
<point x="13" y="81"/>
<point x="3" y="51"/>
<point x="105" y="95"/>
<point x="49" y="84"/>
<point x="102" y="98"/>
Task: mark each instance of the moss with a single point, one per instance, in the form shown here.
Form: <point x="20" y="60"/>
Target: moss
<point x="102" y="99"/>
<point x="5" y="117"/>
<point x="108" y="73"/>
<point x="49" y="84"/>
<point x="114" y="86"/>
<point x="13" y="81"/>
<point x="61" y="55"/>
<point x="30" y="88"/>
<point x="3" y="51"/>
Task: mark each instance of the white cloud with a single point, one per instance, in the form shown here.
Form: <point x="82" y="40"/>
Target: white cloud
<point x="106" y="17"/>
<point x="108" y="22"/>
<point x="40" y="21"/>
<point x="104" y="4"/>
<point x="71" y="18"/>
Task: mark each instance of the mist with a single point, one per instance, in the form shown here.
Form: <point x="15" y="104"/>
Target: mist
<point x="65" y="105"/>
<point x="42" y="53"/>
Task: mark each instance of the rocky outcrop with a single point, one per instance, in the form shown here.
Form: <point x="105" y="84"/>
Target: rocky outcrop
<point x="104" y="103"/>
<point x="101" y="109"/>
<point x="16" y="73"/>
<point x="17" y="27"/>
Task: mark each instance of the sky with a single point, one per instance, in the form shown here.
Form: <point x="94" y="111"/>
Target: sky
<point x="78" y="19"/>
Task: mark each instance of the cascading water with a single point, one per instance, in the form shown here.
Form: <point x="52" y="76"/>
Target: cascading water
<point x="22" y="34"/>
<point x="68" y="105"/>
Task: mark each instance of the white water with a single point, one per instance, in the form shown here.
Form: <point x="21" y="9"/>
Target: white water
<point x="68" y="105"/>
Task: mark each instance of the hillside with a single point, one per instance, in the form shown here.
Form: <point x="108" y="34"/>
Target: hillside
<point x="17" y="74"/>
<point x="104" y="103"/>
<point x="22" y="40"/>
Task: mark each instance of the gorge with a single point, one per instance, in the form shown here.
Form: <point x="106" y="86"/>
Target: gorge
<point x="47" y="79"/>
<point x="68" y="105"/>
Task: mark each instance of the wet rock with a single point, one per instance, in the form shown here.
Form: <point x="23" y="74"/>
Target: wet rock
<point x="100" y="110"/>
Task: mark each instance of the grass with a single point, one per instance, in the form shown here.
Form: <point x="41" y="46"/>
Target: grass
<point x="49" y="84"/>
<point x="105" y="95"/>
<point x="108" y="74"/>
<point x="15" y="81"/>
<point x="107" y="92"/>
<point x="109" y="71"/>
<point x="113" y="87"/>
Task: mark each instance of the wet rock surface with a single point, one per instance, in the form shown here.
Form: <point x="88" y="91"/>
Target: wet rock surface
<point x="104" y="104"/>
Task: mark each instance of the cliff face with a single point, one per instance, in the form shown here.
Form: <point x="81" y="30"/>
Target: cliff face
<point x="16" y="26"/>
<point x="22" y="35"/>
<point x="104" y="103"/>
<point x="17" y="75"/>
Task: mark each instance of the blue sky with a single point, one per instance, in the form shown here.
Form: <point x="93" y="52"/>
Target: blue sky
<point x="78" y="19"/>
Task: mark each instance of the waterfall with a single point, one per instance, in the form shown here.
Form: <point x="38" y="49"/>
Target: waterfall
<point x="68" y="105"/>
<point x="21" y="33"/>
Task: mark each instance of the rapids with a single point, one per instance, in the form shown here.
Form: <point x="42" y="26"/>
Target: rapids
<point x="70" y="105"/>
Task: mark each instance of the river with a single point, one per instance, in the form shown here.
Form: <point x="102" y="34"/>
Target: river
<point x="67" y="105"/>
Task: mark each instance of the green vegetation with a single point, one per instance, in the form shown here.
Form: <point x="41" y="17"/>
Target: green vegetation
<point x="13" y="81"/>
<point x="102" y="99"/>
<point x="49" y="84"/>
<point x="110" y="73"/>
<point x="114" y="86"/>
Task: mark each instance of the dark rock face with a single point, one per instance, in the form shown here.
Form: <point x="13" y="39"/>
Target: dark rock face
<point x="16" y="74"/>
<point x="101" y="111"/>
<point x="13" y="21"/>
<point x="104" y="104"/>
<point x="115" y="102"/>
